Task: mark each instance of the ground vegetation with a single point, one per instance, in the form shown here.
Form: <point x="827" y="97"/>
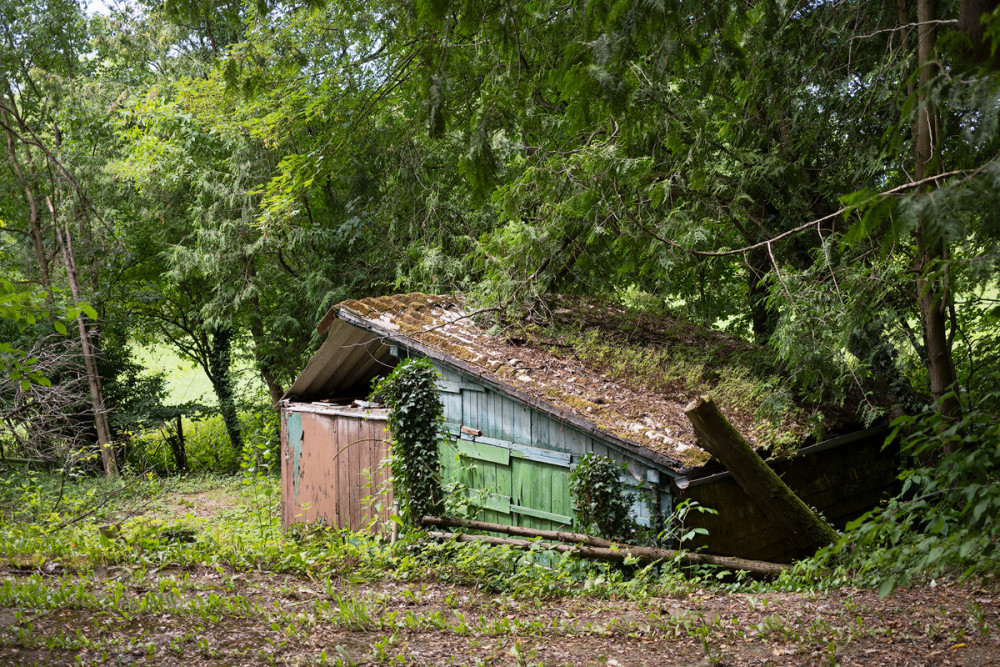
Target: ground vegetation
<point x="210" y="176"/>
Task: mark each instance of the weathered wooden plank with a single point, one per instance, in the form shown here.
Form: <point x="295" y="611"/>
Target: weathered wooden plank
<point x="452" y="404"/>
<point x="508" y="408"/>
<point x="331" y="475"/>
<point x="550" y="517"/>
<point x="516" y="449"/>
<point x="483" y="417"/>
<point x="562" y="503"/>
<point x="497" y="502"/>
<point x="577" y="443"/>
<point x="340" y="436"/>
<point x="354" y="467"/>
<point x="293" y="425"/>
<point x="489" y="476"/>
<point x="470" y="408"/>
<point x="504" y="482"/>
<point x="540" y="431"/>
<point x="597" y="447"/>
<point x="383" y="475"/>
<point x="543" y="493"/>
<point x="376" y="498"/>
<point x="557" y="438"/>
<point x="363" y="473"/>
<point x="516" y="485"/>
<point x="541" y="455"/>
<point x="521" y="428"/>
<point x="445" y="386"/>
<point x="483" y="452"/>
<point x="520" y="494"/>
<point x="446" y="456"/>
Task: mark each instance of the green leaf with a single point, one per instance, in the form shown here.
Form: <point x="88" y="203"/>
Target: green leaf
<point x="887" y="587"/>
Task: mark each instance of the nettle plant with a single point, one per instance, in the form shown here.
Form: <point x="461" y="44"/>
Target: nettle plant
<point x="601" y="499"/>
<point x="416" y="415"/>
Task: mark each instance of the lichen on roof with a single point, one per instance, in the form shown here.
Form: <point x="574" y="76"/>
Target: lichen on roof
<point x="629" y="372"/>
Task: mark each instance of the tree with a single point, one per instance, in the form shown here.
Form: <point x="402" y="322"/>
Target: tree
<point x="43" y="43"/>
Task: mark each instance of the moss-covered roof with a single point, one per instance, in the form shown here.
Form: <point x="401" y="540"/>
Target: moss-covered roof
<point x="628" y="372"/>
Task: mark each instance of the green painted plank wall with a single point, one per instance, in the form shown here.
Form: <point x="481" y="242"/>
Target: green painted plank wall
<point x="541" y="489"/>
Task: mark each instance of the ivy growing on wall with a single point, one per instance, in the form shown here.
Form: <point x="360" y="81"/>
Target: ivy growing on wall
<point x="600" y="498"/>
<point x="415" y="418"/>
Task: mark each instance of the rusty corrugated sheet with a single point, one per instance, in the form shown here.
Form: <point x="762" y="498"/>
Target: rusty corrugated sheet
<point x="346" y="362"/>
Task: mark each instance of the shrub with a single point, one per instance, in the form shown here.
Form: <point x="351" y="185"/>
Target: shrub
<point x="415" y="418"/>
<point x="947" y="515"/>
<point x="600" y="497"/>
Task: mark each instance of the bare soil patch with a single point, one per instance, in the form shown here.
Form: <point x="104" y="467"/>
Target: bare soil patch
<point x="435" y="624"/>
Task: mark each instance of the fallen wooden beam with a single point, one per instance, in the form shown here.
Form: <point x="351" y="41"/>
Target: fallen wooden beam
<point x="593" y="550"/>
<point x="558" y="535"/>
<point x="779" y="503"/>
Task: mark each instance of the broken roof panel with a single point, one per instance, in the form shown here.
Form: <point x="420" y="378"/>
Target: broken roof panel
<point x="626" y="374"/>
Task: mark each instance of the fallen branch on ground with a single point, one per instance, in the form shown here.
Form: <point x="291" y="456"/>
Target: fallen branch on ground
<point x="586" y="546"/>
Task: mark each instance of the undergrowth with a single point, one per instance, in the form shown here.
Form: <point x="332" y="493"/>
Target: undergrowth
<point x="946" y="517"/>
<point x="98" y="523"/>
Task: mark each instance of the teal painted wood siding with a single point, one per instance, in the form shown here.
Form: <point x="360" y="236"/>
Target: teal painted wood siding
<point x="518" y="469"/>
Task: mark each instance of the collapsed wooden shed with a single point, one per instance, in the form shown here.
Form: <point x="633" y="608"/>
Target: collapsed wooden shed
<point x="523" y="406"/>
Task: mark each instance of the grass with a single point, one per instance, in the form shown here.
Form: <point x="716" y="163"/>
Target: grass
<point x="196" y="569"/>
<point x="187" y="381"/>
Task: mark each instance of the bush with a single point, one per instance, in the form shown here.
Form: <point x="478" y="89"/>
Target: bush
<point x="601" y="499"/>
<point x="947" y="515"/>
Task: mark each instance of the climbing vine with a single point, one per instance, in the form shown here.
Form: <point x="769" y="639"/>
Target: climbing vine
<point x="600" y="498"/>
<point x="415" y="417"/>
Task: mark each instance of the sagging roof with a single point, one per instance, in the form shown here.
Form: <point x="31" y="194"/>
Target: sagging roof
<point x="623" y="374"/>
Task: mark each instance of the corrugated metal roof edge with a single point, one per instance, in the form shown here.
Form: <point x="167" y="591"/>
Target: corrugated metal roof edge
<point x="669" y="465"/>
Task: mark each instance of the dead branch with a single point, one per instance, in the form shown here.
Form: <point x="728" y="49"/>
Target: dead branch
<point x="587" y="546"/>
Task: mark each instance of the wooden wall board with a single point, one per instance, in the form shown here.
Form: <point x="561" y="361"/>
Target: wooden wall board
<point x="332" y="470"/>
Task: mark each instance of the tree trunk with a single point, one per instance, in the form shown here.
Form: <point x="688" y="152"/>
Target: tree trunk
<point x="34" y="228"/>
<point x="177" y="445"/>
<point x="558" y="535"/>
<point x="933" y="293"/>
<point x="220" y="374"/>
<point x="970" y="16"/>
<point x="778" y="502"/>
<point x="89" y="360"/>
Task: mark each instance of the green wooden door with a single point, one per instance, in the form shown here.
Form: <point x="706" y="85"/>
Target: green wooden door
<point x="514" y="484"/>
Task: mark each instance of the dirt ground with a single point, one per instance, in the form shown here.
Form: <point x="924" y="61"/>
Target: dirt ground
<point x="220" y="616"/>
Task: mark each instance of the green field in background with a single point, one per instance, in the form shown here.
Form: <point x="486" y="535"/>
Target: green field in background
<point x="186" y="381"/>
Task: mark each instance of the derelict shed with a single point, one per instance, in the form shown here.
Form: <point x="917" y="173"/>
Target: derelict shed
<point x="523" y="407"/>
